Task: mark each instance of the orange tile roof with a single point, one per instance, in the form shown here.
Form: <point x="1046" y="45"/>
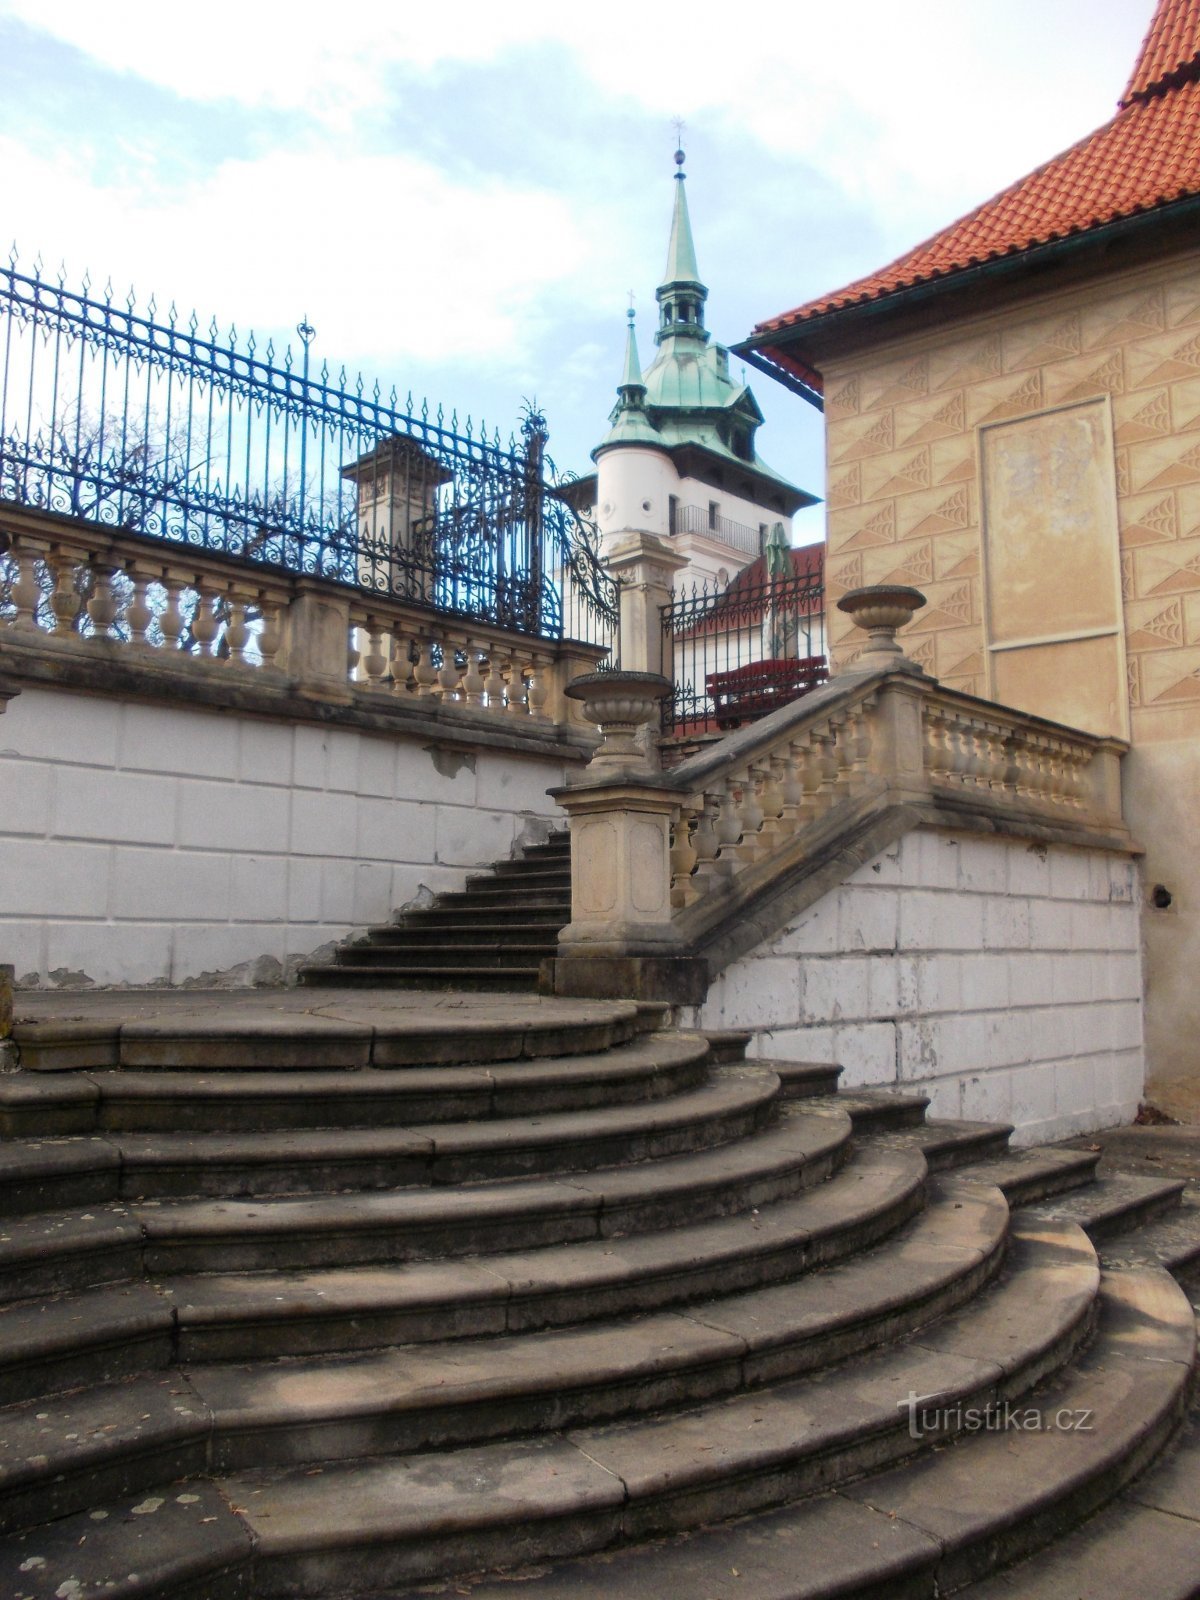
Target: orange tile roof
<point x="1170" y="48"/>
<point x="1147" y="156"/>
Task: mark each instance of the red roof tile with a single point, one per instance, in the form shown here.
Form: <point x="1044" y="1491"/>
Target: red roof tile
<point x="1147" y="156"/>
<point x="1170" y="50"/>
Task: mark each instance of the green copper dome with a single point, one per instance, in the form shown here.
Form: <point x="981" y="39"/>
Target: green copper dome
<point x="687" y="403"/>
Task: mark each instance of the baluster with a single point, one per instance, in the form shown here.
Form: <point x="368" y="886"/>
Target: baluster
<point x="729" y="818"/>
<point x="103" y="607"/>
<point x="860" y="741"/>
<point x="826" y="768"/>
<point x="270" y="635"/>
<point x="810" y="773"/>
<point x="535" y="690"/>
<point x="1057" y="785"/>
<point x="770" y="798"/>
<point x="448" y="674"/>
<point x="139" y="613"/>
<point x="683" y="858"/>
<point x="516" y="706"/>
<point x="425" y="674"/>
<point x="374" y="663"/>
<point x="790" y="777"/>
<point x="64" y="598"/>
<point x="706" y="841"/>
<point x="750" y="816"/>
<point x="237" y="631"/>
<point x="26" y="592"/>
<point x="474" y="686"/>
<point x="401" y="664"/>
<point x="171" y="621"/>
<point x="204" y="618"/>
<point x="494" y="682"/>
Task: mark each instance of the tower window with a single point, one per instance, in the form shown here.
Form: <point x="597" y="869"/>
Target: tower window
<point x="713" y="512"/>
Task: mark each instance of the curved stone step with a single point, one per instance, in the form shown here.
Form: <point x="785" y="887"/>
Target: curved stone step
<point x="970" y="1503"/>
<point x="1115" y="1203"/>
<point x="949" y="1146"/>
<point x="439" y="1394"/>
<point x="58" y="1251"/>
<point x="508" y="979"/>
<point x="732" y="1105"/>
<point x="93" y="1336"/>
<point x="297" y="1030"/>
<point x="222" y="1316"/>
<point x="1147" y="1543"/>
<point x="386" y="1522"/>
<point x="648" y="1068"/>
<point x="424" y="1224"/>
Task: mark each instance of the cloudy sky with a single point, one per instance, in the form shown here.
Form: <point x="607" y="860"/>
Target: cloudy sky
<point x="460" y="198"/>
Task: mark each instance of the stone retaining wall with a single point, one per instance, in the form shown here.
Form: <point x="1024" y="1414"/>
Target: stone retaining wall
<point x="1002" y="978"/>
<point x="144" y="843"/>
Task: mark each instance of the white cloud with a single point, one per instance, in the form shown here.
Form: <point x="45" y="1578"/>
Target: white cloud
<point x="441" y="271"/>
<point x="901" y="106"/>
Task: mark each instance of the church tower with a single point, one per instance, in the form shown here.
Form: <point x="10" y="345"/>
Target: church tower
<point x="679" y="459"/>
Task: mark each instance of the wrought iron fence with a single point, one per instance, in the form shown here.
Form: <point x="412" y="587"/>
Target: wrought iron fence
<point x="166" y="430"/>
<point x="741" y="650"/>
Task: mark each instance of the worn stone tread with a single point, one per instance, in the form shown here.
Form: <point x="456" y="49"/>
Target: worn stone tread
<point x="1035" y="1172"/>
<point x="68" y="1249"/>
<point x="865" y="1202"/>
<point x="972" y="1502"/>
<point x="873" y="1109"/>
<point x="679" y="1469"/>
<point x="182" y="1542"/>
<point x="421" y="1223"/>
<point x="1113" y="1203"/>
<point x="1171" y="1241"/>
<point x="73" y="1451"/>
<point x="93" y="1336"/>
<point x="469" y="1390"/>
<point x="57" y="1171"/>
<point x="948" y="1146"/>
<point x="1131" y="1386"/>
<point x="292" y="1161"/>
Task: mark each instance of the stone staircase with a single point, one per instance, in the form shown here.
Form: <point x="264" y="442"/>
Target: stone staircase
<point x="349" y="1295"/>
<point x="493" y="934"/>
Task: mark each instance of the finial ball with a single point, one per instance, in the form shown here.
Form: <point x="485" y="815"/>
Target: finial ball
<point x="679" y="158"/>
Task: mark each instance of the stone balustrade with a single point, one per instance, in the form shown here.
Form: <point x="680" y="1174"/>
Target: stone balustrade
<point x="402" y="651"/>
<point x="159" y="606"/>
<point x="745" y="820"/>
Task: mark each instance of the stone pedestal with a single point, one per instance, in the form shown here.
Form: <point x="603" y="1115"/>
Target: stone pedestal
<point x="317" y="642"/>
<point x="644" y="566"/>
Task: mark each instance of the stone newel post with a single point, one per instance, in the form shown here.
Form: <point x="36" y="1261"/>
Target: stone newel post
<point x="620" y="941"/>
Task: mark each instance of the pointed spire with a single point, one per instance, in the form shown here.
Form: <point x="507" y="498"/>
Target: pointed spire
<point x="633" y="367"/>
<point x="681" y="252"/>
<point x="681" y="294"/>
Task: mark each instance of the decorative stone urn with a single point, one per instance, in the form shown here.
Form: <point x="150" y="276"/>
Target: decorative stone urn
<point x="621" y="704"/>
<point x="882" y="609"/>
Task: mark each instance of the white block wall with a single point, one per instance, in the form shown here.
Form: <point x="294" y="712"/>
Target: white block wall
<point x="1000" y="978"/>
<point x="143" y="844"/>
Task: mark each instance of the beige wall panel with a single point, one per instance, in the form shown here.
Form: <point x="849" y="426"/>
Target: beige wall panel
<point x="1182" y="299"/>
<point x="1165" y="358"/>
<point x="910" y="563"/>
<point x="865" y="436"/>
<point x="962" y="361"/>
<point x="1111" y="319"/>
<point x="1076" y="681"/>
<point x="1172" y="677"/>
<point x="896" y="381"/>
<point x="1149" y="518"/>
<point x="1185" y="405"/>
<point x="1097" y="372"/>
<point x="906" y="471"/>
<point x="1050" y="521"/>
<point x="1166" y="569"/>
<point x="844" y="488"/>
<point x="1156" y="465"/>
<point x="952" y="461"/>
<point x="1154" y="624"/>
<point x="947" y="509"/>
<point x="938" y="417"/>
<point x="1037" y="343"/>
<point x="1010" y="396"/>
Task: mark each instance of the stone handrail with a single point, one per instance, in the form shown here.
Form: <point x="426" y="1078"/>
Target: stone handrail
<point x="672" y="867"/>
<point x="880" y="734"/>
<point x="152" y="603"/>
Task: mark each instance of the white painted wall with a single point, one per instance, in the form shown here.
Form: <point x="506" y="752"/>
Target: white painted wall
<point x="1001" y="978"/>
<point x="143" y="844"/>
